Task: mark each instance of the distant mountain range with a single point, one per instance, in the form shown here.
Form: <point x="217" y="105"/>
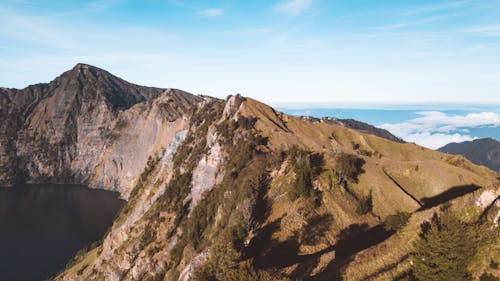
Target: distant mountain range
<point x="484" y="152"/>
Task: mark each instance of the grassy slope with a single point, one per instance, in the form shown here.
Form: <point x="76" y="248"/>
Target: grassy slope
<point x="420" y="171"/>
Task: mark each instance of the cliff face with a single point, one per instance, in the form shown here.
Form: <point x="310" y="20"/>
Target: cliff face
<point x="248" y="192"/>
<point x="230" y="189"/>
<point x="86" y="126"/>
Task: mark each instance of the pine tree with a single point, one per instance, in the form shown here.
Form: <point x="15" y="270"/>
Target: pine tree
<point x="443" y="250"/>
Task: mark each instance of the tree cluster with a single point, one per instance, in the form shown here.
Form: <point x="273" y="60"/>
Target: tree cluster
<point x="444" y="250"/>
<point x="348" y="167"/>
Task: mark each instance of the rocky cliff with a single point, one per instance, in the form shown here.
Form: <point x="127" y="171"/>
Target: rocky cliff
<point x="233" y="189"/>
<point x="86" y="126"/>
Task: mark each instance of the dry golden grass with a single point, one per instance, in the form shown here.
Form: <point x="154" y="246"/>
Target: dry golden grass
<point x="422" y="172"/>
<point x="388" y="258"/>
<point x="84" y="264"/>
<point x="419" y="171"/>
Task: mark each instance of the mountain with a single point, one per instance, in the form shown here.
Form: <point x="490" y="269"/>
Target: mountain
<point x="356" y="125"/>
<point x="62" y="131"/>
<point x="484" y="152"/>
<point x="233" y="189"/>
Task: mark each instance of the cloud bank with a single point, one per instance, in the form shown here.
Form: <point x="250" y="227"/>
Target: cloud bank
<point x="436" y="129"/>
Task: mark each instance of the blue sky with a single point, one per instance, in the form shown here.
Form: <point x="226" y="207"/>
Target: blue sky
<point x="280" y="51"/>
<point x="432" y="126"/>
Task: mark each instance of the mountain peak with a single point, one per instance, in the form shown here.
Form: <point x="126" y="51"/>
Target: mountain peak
<point x="485" y="151"/>
<point x="80" y="66"/>
<point x="86" y="71"/>
<point x="91" y="81"/>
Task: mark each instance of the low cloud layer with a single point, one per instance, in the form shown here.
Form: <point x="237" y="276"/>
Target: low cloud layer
<point x="436" y="129"/>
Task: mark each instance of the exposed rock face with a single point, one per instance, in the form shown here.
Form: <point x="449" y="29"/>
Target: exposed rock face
<point x="197" y="261"/>
<point x="225" y="188"/>
<point x="86" y="126"/>
<point x="208" y="172"/>
<point x="487" y="198"/>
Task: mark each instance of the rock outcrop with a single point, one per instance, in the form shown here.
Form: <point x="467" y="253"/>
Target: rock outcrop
<point x="230" y="189"/>
<point x="86" y="126"/>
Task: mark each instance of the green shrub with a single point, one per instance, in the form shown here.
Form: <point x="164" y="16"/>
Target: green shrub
<point x="307" y="166"/>
<point x="348" y="167"/>
<point x="355" y="146"/>
<point x="488" y="277"/>
<point x="365" y="205"/>
<point x="396" y="221"/>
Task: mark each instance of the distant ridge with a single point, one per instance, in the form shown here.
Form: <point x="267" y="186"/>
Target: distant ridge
<point x="484" y="152"/>
<point x="356" y="125"/>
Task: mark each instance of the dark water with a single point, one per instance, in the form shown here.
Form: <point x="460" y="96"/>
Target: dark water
<point x="42" y="226"/>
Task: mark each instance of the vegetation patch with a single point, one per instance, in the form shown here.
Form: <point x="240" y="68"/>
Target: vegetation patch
<point x="348" y="167"/>
<point x="365" y="205"/>
<point x="396" y="221"/>
<point x="447" y="246"/>
<point x="306" y="166"/>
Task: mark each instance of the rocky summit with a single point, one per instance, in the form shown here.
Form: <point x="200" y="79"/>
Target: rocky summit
<point x="235" y="190"/>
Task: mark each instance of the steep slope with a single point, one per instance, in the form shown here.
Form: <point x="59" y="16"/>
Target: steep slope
<point x="83" y="127"/>
<point x="233" y="189"/>
<point x="484" y="152"/>
<point x="236" y="200"/>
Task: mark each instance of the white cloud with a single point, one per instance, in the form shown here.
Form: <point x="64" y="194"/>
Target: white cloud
<point x="211" y="13"/>
<point x="485" y="30"/>
<point x="436" y="129"/>
<point x="437" y="118"/>
<point x="437" y="140"/>
<point x="294" y="7"/>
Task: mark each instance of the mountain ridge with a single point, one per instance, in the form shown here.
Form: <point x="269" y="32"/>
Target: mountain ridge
<point x="485" y="151"/>
<point x="71" y="111"/>
<point x="232" y="189"/>
<point x="356" y="125"/>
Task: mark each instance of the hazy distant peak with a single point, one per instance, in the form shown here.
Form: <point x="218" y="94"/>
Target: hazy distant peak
<point x="484" y="151"/>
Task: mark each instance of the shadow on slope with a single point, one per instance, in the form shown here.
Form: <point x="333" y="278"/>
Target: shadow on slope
<point x="268" y="253"/>
<point x="448" y="195"/>
<point x="358" y="237"/>
<point x="352" y="240"/>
